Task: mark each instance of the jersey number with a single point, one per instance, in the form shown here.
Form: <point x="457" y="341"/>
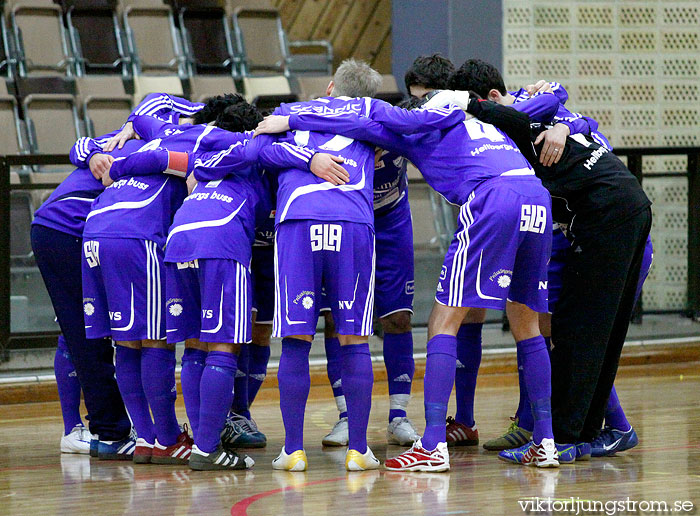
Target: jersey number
<point x="533" y="217"/>
<point x="478" y="130"/>
<point x="92" y="253"/>
<point x="326" y="237"/>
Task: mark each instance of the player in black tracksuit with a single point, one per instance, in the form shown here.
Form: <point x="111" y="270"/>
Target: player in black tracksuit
<point x="607" y="217"/>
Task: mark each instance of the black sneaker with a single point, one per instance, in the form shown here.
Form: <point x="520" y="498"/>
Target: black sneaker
<point x="219" y="459"/>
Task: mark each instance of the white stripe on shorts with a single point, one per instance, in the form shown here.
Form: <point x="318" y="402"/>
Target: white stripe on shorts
<point x="459" y="261"/>
<point x="369" y="302"/>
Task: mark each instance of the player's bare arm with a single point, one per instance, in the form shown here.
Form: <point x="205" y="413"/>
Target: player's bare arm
<point x="272" y="124"/>
<point x="100" y="164"/>
<point x="118" y="140"/>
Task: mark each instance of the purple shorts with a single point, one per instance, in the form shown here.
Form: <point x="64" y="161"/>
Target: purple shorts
<point x="338" y="257"/>
<point x="123" y="289"/>
<point x="262" y="270"/>
<point x="501" y="247"/>
<point x="210" y="300"/>
<point x="560" y="249"/>
<point x="393" y="291"/>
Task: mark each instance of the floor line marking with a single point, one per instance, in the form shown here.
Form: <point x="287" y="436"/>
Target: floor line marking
<point x="241" y="508"/>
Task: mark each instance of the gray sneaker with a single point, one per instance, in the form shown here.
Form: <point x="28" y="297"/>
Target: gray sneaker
<point x="401" y="431"/>
<point x="338" y="436"/>
<point x="219" y="459"/>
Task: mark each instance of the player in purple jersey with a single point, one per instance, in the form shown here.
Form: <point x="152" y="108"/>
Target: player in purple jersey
<point x="123" y="276"/>
<point x="607" y="216"/>
<point x="461" y="430"/>
<point x="478" y="167"/>
<point x="209" y="250"/>
<point x="394" y="284"/>
<point x="57" y="231"/>
<point x="617" y="425"/>
<point x="331" y="227"/>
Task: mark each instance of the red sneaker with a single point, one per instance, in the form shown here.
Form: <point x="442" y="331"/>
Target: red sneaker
<point x="420" y="459"/>
<point x="461" y="435"/>
<point x="178" y="453"/>
<point x="142" y="452"/>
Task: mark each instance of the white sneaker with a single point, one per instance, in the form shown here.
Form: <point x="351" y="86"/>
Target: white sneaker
<point x="339" y="435"/>
<point x="77" y="441"/>
<point x="356" y="461"/>
<point x="401" y="431"/>
<point x="296" y="461"/>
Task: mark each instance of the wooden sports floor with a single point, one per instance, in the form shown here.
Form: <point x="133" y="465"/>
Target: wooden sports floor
<point x="665" y="410"/>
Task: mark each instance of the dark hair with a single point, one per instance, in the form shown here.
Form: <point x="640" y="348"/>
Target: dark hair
<point x="239" y="117"/>
<point x="429" y="72"/>
<point x="214" y="106"/>
<point x="478" y="76"/>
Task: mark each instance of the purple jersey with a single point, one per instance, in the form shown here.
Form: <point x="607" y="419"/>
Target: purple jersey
<point x="576" y="122"/>
<point x="218" y="219"/>
<point x="304" y="196"/>
<point x="68" y="206"/>
<point x="453" y="161"/>
<point x="143" y="206"/>
<point x="390" y="182"/>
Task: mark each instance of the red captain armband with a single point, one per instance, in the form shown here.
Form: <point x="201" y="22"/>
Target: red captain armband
<point x="177" y="164"/>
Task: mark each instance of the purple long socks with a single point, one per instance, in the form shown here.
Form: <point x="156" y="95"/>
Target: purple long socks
<point x="400" y="367"/>
<point x="68" y="386"/>
<point x="193" y="362"/>
<point x="215" y="397"/>
<point x="357" y="385"/>
<point x="294" y="384"/>
<point x="537" y="375"/>
<point x="437" y="386"/>
<point x="468" y="362"/>
<point x="128" y="372"/>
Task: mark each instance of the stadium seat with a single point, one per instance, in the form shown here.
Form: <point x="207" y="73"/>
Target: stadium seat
<point x="207" y="37"/>
<point x="21" y="216"/>
<point x="39" y="39"/>
<point x="52" y="123"/>
<point x="145" y="84"/>
<point x="96" y="37"/>
<point x="154" y="41"/>
<point x="261" y="41"/>
<point x="103" y="103"/>
<point x="311" y="87"/>
<point x="11" y="142"/>
<point x="266" y="93"/>
<point x="105" y="114"/>
<point x="268" y="85"/>
<point x="205" y="86"/>
<point x="310" y="57"/>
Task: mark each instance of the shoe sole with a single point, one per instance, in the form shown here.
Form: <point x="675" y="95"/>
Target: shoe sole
<point x="295" y="468"/>
<point x="333" y="443"/>
<point x="208" y="466"/>
<point x="584" y="458"/>
<point x="74" y="451"/>
<point x="142" y="459"/>
<point x="472" y="442"/>
<point x="422" y="468"/>
<point x="114" y="456"/>
<point x="354" y="466"/>
<point x="169" y="461"/>
<point x="244" y="445"/>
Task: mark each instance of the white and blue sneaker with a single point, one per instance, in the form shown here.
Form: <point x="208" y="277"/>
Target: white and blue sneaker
<point x="117" y="450"/>
<point x="241" y="432"/>
<point x="94" y="442"/>
<point x="77" y="441"/>
<point x="612" y="440"/>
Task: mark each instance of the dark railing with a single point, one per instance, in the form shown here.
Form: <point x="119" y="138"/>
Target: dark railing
<point x="9" y="339"/>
